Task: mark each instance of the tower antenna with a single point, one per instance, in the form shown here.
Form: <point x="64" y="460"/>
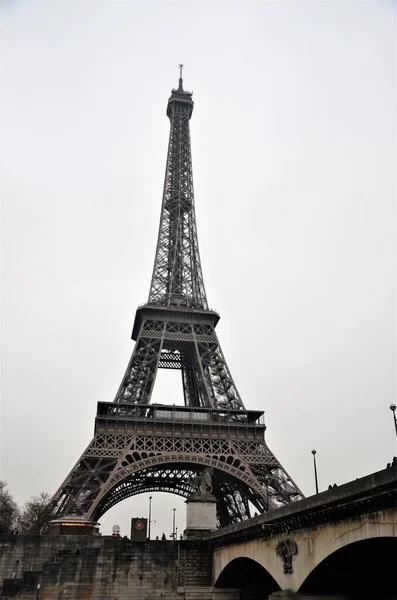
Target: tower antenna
<point x="180" y="76"/>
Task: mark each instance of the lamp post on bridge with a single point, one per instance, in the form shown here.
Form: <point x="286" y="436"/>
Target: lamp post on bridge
<point x="150" y="515"/>
<point x="315" y="469"/>
<point x="393" y="409"/>
<point x="173" y="524"/>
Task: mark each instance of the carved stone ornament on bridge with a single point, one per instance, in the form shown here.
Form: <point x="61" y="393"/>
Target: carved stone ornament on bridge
<point x="286" y="549"/>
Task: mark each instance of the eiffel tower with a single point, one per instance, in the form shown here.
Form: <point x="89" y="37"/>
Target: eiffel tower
<point x="141" y="447"/>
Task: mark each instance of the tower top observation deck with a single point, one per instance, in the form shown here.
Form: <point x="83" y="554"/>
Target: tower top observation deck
<point x="180" y="101"/>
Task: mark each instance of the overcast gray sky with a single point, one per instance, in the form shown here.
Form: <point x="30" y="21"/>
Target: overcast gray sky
<point x="294" y="156"/>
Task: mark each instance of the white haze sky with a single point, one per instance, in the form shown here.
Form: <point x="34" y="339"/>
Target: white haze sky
<point x="294" y="156"/>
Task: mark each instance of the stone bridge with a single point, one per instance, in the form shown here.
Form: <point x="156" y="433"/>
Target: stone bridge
<point x="342" y="542"/>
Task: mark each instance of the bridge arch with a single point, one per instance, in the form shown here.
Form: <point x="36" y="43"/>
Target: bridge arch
<point x="248" y="578"/>
<point x="358" y="570"/>
<point x="322" y="542"/>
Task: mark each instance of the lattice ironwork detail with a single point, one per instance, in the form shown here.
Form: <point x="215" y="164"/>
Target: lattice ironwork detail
<point x="177" y="276"/>
<point x="206" y="377"/>
<point x="91" y="486"/>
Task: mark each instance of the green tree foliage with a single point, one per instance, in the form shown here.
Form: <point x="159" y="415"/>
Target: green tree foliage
<point x="8" y="510"/>
<point x="35" y="515"/>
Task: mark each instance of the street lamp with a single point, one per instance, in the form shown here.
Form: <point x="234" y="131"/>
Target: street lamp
<point x="393" y="409"/>
<point x="315" y="469"/>
<point x="173" y="523"/>
<point x="150" y="515"/>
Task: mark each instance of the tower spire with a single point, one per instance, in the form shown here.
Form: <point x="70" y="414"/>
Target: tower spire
<point x="177" y="278"/>
<point x="180" y="87"/>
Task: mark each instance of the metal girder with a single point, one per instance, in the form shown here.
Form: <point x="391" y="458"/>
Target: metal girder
<point x="194" y="349"/>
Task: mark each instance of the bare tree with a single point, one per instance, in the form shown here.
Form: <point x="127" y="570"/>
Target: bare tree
<point x="35" y="515"/>
<point x="8" y="510"/>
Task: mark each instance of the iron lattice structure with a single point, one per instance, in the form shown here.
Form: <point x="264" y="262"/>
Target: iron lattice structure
<point x="139" y="447"/>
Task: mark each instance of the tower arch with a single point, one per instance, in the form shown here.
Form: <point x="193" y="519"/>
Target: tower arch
<point x="173" y="473"/>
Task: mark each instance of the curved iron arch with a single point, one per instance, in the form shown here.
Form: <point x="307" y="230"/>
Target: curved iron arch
<point x="126" y="483"/>
<point x="149" y="480"/>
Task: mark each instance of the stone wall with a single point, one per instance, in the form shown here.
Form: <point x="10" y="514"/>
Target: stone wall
<point x="102" y="568"/>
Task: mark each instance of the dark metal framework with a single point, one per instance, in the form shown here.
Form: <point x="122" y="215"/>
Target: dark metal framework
<point x="139" y="447"/>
